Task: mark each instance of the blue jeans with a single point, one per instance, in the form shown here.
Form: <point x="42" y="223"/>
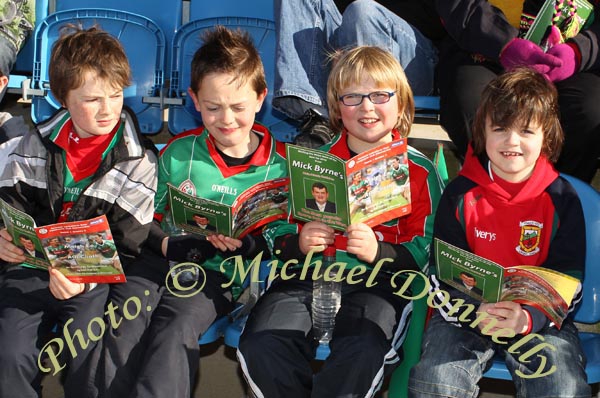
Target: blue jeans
<point x="309" y="30"/>
<point x="454" y="359"/>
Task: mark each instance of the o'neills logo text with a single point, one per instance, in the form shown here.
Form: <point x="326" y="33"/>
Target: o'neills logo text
<point x="402" y="283"/>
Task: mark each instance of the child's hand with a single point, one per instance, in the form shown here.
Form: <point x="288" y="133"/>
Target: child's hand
<point x="194" y="248"/>
<point x="362" y="242"/>
<point x="8" y="251"/>
<point x="61" y="287"/>
<point x="508" y="314"/>
<point x="224" y="243"/>
<point x="315" y="236"/>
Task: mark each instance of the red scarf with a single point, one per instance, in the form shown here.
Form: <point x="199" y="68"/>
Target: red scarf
<point x="83" y="155"/>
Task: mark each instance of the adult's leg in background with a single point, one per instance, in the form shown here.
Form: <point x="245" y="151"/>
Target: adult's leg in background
<point x="366" y="22"/>
<point x="304" y="29"/>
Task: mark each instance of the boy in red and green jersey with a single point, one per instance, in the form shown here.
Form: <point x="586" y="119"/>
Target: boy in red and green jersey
<point x="509" y="205"/>
<point x="277" y="343"/>
<point x="218" y="161"/>
<point x="193" y="163"/>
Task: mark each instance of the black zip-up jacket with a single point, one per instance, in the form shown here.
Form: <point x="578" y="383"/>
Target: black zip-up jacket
<point x="123" y="187"/>
<point x="482" y="29"/>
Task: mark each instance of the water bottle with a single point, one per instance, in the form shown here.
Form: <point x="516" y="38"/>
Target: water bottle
<point x="168" y="225"/>
<point x="327" y="296"/>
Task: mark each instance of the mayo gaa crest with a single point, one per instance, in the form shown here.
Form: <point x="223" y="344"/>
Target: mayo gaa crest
<point x="530" y="238"/>
<point x="188" y="187"/>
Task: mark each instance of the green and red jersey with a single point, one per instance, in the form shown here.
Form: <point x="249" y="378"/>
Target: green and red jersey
<point x="538" y="222"/>
<point x="411" y="234"/>
<point x="399" y="175"/>
<point x="191" y="162"/>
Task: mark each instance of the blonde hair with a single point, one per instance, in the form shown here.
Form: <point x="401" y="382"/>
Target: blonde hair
<point x="517" y="98"/>
<point x="353" y="65"/>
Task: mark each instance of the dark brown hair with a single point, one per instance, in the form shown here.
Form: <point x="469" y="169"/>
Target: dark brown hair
<point x="227" y="51"/>
<point x="517" y="98"/>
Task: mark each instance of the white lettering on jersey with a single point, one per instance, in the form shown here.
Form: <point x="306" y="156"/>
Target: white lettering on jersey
<point x="489" y="236"/>
<point x="224" y="189"/>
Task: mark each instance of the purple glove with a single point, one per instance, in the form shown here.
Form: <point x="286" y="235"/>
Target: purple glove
<point x="570" y="62"/>
<point x="521" y="52"/>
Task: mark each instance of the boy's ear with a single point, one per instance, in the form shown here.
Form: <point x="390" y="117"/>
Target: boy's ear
<point x="3" y="82"/>
<point x="261" y="99"/>
<point x="194" y="98"/>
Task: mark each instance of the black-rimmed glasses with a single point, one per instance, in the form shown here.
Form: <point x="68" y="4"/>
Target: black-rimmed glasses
<point x="376" y="97"/>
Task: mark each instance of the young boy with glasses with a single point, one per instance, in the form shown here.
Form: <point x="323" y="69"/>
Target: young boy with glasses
<point x="370" y="103"/>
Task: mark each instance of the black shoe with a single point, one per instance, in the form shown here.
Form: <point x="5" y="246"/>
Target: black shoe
<point x="314" y="130"/>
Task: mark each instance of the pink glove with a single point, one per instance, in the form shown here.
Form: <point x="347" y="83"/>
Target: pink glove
<point x="570" y="62"/>
<point x="521" y="52"/>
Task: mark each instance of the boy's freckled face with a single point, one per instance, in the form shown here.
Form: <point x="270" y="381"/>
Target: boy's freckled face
<point x="369" y="122"/>
<point x="514" y="151"/>
<point x="95" y="107"/>
<point x="228" y="111"/>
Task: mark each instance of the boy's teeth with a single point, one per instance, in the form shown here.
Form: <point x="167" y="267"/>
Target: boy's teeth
<point x="368" y="120"/>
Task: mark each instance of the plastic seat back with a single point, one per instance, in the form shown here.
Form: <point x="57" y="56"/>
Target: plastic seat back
<point x="589" y="308"/>
<point x="202" y="9"/>
<point x="183" y="116"/>
<point x="588" y="311"/>
<point x="167" y="15"/>
<point x="144" y="43"/>
<point x="230" y="326"/>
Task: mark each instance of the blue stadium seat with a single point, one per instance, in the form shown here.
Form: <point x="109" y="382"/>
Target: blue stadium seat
<point x="230" y="326"/>
<point x="427" y="106"/>
<point x="182" y="113"/>
<point x="215" y="331"/>
<point x="588" y="311"/>
<point x="167" y="15"/>
<point x="144" y="43"/>
<point x="202" y="9"/>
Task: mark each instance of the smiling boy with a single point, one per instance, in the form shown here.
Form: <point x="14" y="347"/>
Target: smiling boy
<point x="217" y="161"/>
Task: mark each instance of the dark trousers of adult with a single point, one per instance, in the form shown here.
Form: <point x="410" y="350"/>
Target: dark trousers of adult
<point x="28" y="313"/>
<point x="277" y="345"/>
<point x="154" y="352"/>
<point x="461" y="80"/>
